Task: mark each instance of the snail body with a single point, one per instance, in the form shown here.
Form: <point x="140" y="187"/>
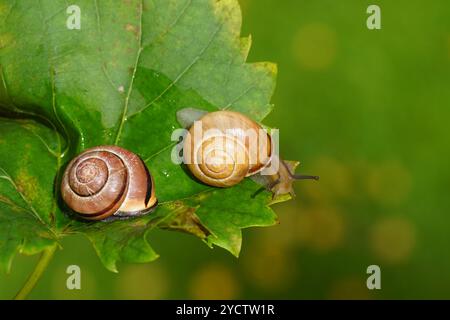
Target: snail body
<point x="223" y="147"/>
<point x="108" y="181"/>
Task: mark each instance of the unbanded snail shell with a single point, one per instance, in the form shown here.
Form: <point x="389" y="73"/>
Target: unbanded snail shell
<point x="226" y="148"/>
<point x="108" y="181"/>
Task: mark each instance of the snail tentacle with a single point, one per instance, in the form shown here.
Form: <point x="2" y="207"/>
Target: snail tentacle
<point x="246" y="150"/>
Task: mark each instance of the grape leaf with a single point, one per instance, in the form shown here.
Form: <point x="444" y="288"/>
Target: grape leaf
<point x="120" y="79"/>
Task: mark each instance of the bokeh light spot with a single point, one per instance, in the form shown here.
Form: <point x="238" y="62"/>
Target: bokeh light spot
<point x="143" y="282"/>
<point x="269" y="267"/>
<point x="389" y="183"/>
<point x="321" y="229"/>
<point x="284" y="234"/>
<point x="393" y="239"/>
<point x="214" y="282"/>
<point x="335" y="181"/>
<point x="314" y="46"/>
<point x="349" y="288"/>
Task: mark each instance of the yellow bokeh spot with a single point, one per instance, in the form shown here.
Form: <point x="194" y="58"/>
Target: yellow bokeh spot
<point x="336" y="181"/>
<point x="389" y="183"/>
<point x="214" y="282"/>
<point x="393" y="239"/>
<point x="284" y="234"/>
<point x="349" y="288"/>
<point x="146" y="281"/>
<point x="314" y="46"/>
<point x="269" y="267"/>
<point x="321" y="229"/>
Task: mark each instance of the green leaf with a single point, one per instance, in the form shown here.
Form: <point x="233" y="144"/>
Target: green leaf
<point x="120" y="80"/>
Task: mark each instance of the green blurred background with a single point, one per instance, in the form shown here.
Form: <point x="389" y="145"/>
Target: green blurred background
<point x="368" y="111"/>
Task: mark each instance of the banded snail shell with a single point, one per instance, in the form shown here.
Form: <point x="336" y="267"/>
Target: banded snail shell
<point x="108" y="181"/>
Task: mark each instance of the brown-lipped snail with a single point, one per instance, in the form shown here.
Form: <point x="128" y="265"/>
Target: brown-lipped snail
<point x="223" y="147"/>
<point x="108" y="181"/>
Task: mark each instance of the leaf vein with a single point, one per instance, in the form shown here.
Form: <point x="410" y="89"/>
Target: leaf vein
<point x="99" y="30"/>
<point x="7" y="177"/>
<point x="50" y="150"/>
<point x="171" y="25"/>
<point x="183" y="72"/>
<point x="27" y="113"/>
<point x="160" y="151"/>
<point x="130" y="88"/>
<point x="239" y="97"/>
<point x="9" y="202"/>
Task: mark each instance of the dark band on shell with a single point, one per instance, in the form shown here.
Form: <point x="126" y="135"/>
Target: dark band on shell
<point x="108" y="181"/>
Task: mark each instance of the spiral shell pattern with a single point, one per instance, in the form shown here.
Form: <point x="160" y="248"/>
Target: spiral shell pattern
<point x="217" y="162"/>
<point x="105" y="181"/>
<point x="220" y="152"/>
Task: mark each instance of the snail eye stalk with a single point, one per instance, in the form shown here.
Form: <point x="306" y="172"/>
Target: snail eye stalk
<point x="304" y="177"/>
